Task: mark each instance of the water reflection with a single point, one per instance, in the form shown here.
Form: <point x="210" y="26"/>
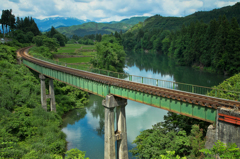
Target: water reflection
<point x="161" y="67"/>
<point x="85" y="127"/>
<point x="87" y="133"/>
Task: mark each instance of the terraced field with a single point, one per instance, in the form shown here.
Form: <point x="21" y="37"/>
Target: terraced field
<point x="78" y="50"/>
<point x="75" y="59"/>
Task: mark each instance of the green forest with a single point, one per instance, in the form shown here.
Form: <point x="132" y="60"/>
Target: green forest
<point x="27" y="131"/>
<point x="210" y="44"/>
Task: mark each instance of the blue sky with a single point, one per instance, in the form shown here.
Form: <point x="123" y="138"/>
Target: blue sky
<point x="109" y="10"/>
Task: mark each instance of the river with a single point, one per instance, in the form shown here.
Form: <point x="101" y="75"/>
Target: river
<point x="85" y="127"/>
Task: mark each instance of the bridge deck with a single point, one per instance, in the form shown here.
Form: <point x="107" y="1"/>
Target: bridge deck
<point x="190" y="104"/>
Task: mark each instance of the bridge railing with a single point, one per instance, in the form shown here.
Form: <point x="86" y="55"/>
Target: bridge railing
<point x="220" y="93"/>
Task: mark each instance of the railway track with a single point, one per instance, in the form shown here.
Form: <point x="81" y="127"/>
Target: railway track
<point x="206" y="101"/>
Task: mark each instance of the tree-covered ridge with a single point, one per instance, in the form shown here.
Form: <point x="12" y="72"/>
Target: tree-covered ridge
<point x="93" y="28"/>
<point x="214" y="45"/>
<point x="174" y="23"/>
<point x="132" y="20"/>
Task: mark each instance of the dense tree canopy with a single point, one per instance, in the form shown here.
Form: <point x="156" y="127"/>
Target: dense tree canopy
<point x="53" y="33"/>
<point x="110" y="54"/>
<point x="214" y="45"/>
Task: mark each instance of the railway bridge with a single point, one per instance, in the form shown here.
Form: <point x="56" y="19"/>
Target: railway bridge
<point x="116" y="88"/>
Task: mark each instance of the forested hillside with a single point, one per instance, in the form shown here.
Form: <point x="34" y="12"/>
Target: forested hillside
<point x="132" y="20"/>
<point x="213" y="46"/>
<point x="100" y="28"/>
<point x="174" y="23"/>
<point x="26" y="130"/>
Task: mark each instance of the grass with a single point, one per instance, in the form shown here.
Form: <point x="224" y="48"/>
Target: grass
<point x="75" y="59"/>
<point x="89" y="48"/>
<point x="73" y="46"/>
<point x="66" y="51"/>
<point x="88" y="53"/>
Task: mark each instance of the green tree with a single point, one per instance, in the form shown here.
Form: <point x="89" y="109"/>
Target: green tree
<point x="229" y="151"/>
<point x="75" y="154"/>
<point x="60" y="38"/>
<point x="110" y="54"/>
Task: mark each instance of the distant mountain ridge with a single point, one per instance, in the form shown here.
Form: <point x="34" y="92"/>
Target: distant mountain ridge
<point x="132" y="20"/>
<point x="102" y="28"/>
<point x="46" y="24"/>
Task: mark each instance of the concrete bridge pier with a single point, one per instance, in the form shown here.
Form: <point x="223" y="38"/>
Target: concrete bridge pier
<point x="110" y="102"/>
<point x="51" y="94"/>
<point x="227" y="128"/>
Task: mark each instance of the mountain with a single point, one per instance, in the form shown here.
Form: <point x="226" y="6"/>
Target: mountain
<point x="46" y="24"/>
<point x="175" y="23"/>
<point x="132" y="20"/>
<point x="102" y="28"/>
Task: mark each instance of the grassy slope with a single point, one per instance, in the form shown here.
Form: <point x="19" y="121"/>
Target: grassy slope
<point x="231" y="84"/>
<point x="77" y="50"/>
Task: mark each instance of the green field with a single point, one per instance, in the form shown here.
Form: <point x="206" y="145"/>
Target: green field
<point x="88" y="53"/>
<point x="89" y="47"/>
<point x="76" y="48"/>
<point x="73" y="46"/>
<point x="75" y="59"/>
<point x="66" y="51"/>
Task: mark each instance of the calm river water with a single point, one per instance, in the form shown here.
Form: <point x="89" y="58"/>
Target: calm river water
<point x="85" y="127"/>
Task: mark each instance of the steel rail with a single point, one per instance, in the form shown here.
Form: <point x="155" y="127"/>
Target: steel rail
<point x="203" y="100"/>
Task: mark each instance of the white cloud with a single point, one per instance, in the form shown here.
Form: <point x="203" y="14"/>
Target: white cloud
<point x="220" y="4"/>
<point x="108" y="10"/>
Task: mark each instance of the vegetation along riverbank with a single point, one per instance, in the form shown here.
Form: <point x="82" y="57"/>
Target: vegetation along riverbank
<point x="27" y="131"/>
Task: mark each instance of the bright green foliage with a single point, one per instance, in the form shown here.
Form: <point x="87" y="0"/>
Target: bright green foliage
<point x="177" y="133"/>
<point x="170" y="155"/>
<point x="53" y="33"/>
<point x="23" y="122"/>
<point x="51" y="43"/>
<point x="26" y="130"/>
<point x="229" y="151"/>
<point x="230" y="84"/>
<point x="68" y="97"/>
<point x="110" y="54"/>
<point x="173" y="121"/>
<point x="154" y="142"/>
<point x="75" y="154"/>
<point x="42" y="40"/>
<point x="41" y="51"/>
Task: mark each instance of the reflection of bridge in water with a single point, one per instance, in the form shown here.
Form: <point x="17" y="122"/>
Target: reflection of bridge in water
<point x="185" y="99"/>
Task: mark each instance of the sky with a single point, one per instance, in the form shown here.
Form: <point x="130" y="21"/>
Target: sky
<point x="109" y="10"/>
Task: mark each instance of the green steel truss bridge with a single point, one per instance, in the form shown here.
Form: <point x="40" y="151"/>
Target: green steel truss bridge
<point x="185" y="99"/>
